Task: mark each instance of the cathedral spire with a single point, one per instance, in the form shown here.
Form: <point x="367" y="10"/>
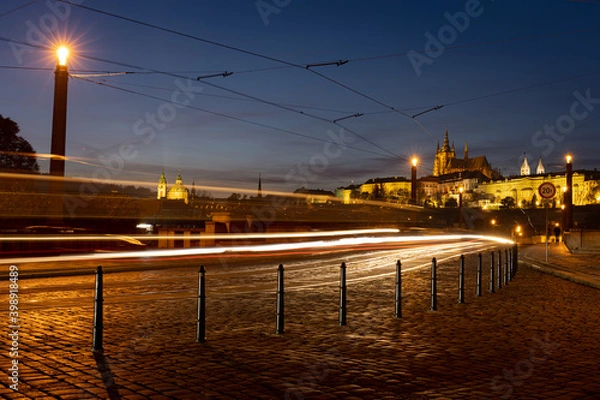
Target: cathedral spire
<point x="446" y="142"/>
<point x="466" y="150"/>
<point x="540" y="170"/>
<point x="525" y="170"/>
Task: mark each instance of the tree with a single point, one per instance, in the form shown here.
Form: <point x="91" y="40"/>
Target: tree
<point x="16" y="152"/>
<point x="508" y="202"/>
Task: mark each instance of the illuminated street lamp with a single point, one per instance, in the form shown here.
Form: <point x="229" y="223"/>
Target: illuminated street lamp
<point x="59" y="116"/>
<point x="413" y="180"/>
<point x="568" y="196"/>
<point x="59" y="133"/>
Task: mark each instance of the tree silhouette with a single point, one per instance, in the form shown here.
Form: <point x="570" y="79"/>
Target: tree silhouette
<point x="16" y="152"/>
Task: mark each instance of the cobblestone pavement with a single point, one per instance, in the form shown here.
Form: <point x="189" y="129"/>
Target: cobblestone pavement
<point x="535" y="338"/>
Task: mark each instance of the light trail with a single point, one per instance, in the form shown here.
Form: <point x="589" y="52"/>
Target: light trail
<point x="252" y="249"/>
<point x="109" y="237"/>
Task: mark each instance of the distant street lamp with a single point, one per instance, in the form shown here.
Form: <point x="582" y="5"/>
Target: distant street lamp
<point x="460" y="201"/>
<point x="568" y="199"/>
<point x="413" y="180"/>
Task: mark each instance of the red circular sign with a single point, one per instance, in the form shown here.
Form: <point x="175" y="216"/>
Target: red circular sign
<point x="547" y="190"/>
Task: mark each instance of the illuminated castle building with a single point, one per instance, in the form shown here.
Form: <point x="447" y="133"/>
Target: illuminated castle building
<point x="446" y="162"/>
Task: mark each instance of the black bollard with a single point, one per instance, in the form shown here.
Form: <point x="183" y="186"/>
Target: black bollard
<point x="510" y="264"/>
<point x="479" y="270"/>
<point x="515" y="259"/>
<point x="492" y="289"/>
<point x="280" y="294"/>
<point x="433" y="284"/>
<point x="98" y="313"/>
<point x="398" y="311"/>
<point x="499" y="269"/>
<point x="342" y="316"/>
<point x="461" y="280"/>
<point x="201" y="321"/>
<point x="506" y="266"/>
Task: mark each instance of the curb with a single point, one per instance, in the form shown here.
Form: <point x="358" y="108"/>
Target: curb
<point x="555" y="271"/>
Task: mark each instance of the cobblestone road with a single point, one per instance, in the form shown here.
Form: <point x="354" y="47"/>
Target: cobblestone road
<point x="536" y="338"/>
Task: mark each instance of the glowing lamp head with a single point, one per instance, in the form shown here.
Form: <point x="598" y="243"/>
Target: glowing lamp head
<point x="569" y="158"/>
<point x="63" y="53"/>
<point x="461" y="189"/>
<point x="493" y="222"/>
<point x="415" y="161"/>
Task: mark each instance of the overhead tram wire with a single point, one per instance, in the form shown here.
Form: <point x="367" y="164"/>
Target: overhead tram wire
<point x="248" y="52"/>
<point x="227" y="116"/>
<point x="218" y="87"/>
<point x="193" y="107"/>
<point x="4" y="14"/>
<point x="174" y="74"/>
<point x="477" y="44"/>
<point x="338" y="63"/>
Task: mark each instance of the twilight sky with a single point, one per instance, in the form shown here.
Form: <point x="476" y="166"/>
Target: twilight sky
<point x="513" y="77"/>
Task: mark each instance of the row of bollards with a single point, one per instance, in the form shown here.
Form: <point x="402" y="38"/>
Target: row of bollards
<point x="504" y="273"/>
<point x="498" y="276"/>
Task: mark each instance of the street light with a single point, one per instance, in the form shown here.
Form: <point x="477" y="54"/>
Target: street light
<point x="59" y="116"/>
<point x="460" y="196"/>
<point x="59" y="133"/>
<point x="568" y="196"/>
<point x="62" y="53"/>
<point x="413" y="180"/>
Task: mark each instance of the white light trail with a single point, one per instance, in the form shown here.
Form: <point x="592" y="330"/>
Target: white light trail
<point x="281" y="235"/>
<point x="265" y="248"/>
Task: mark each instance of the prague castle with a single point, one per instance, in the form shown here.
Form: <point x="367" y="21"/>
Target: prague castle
<point x="477" y="182"/>
<point x="446" y="162"/>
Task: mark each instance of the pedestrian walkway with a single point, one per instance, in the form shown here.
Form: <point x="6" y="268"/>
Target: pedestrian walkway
<point x="535" y="338"/>
<point x="580" y="268"/>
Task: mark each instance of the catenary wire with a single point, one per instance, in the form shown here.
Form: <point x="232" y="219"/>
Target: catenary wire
<point x="4" y="14"/>
<point x="227" y="116"/>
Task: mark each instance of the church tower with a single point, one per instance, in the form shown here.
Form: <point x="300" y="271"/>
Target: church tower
<point x="540" y="170"/>
<point x="443" y="157"/>
<point x="525" y="170"/>
<point x="466" y="150"/>
<point x="162" y="187"/>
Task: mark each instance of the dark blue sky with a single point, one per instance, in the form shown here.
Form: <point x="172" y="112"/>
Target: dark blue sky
<point x="513" y="77"/>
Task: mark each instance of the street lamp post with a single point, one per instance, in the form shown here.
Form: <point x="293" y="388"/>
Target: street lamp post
<point x="568" y="200"/>
<point x="59" y="133"/>
<point x="460" y="197"/>
<point x="413" y="180"/>
<point x="59" y="115"/>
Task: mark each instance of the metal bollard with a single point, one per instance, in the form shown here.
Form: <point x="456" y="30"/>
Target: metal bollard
<point x="280" y="304"/>
<point x="510" y="264"/>
<point x="98" y="313"/>
<point x="499" y="269"/>
<point x="506" y="266"/>
<point x="201" y="320"/>
<point x="515" y="259"/>
<point x="461" y="280"/>
<point x="398" y="310"/>
<point x="433" y="284"/>
<point x="479" y="270"/>
<point x="492" y="288"/>
<point x="342" y="313"/>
